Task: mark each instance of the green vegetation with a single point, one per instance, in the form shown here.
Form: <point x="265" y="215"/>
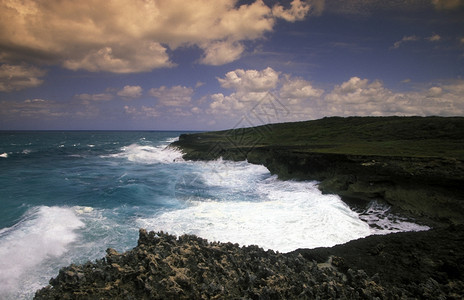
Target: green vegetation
<point x="375" y="136"/>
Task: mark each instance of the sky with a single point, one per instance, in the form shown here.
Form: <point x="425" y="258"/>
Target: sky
<point x="219" y="64"/>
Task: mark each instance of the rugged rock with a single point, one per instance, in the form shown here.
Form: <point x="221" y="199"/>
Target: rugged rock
<point x="165" y="267"/>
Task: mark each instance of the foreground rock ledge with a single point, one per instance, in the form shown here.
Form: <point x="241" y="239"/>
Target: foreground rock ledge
<point x="165" y="267"/>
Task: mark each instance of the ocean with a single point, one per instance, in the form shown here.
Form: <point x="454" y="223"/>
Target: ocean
<point x="65" y="197"/>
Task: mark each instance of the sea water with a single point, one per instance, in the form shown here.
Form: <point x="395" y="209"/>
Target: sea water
<point x="65" y="197"/>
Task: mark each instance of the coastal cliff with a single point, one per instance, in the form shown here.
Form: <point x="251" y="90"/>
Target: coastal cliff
<point x="415" y="164"/>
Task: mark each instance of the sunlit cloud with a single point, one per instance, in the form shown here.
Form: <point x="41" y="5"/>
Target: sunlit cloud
<point x="296" y="89"/>
<point x="361" y="97"/>
<point x="18" y="77"/>
<point x="128" y="36"/>
<point x="222" y="52"/>
<point x="297" y="11"/>
<point x="130" y="92"/>
<point x="250" y="80"/>
<point x="355" y="97"/>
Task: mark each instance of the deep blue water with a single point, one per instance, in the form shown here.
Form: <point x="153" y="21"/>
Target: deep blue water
<point x="65" y="197"/>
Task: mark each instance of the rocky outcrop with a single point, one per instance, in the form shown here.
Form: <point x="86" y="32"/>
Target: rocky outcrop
<point x="431" y="188"/>
<point x="165" y="267"/>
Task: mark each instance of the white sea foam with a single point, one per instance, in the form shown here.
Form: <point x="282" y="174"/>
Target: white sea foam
<point x="382" y="221"/>
<point x="4" y="155"/>
<point x="274" y="214"/>
<point x="238" y="175"/>
<point x="172" y="140"/>
<point x="282" y="225"/>
<point x="252" y="207"/>
<point x="147" y="154"/>
<point x="43" y="233"/>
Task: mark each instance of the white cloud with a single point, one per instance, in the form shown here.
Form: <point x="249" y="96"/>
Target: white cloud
<point x="297" y="11"/>
<point x="174" y="96"/>
<point x="359" y="97"/>
<point x="263" y="95"/>
<point x="411" y="38"/>
<point x="222" y="52"/>
<point x="196" y="110"/>
<point x="18" y="77"/>
<point x="298" y="89"/>
<point x="141" y="58"/>
<point x="435" y="91"/>
<point x="126" y="36"/>
<point x="299" y="99"/>
<point x="130" y="91"/>
<point x="250" y="80"/>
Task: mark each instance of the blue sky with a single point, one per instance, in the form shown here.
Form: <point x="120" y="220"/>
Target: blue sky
<point x="207" y="65"/>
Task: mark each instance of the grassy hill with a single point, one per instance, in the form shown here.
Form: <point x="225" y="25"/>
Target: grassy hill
<point x="383" y="136"/>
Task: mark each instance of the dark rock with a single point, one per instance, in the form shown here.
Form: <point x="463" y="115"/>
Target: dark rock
<point x="411" y="265"/>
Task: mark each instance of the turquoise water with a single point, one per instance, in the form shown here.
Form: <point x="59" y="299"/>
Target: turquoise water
<point x="65" y="197"/>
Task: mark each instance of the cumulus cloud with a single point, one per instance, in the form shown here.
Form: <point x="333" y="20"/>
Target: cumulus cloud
<point x="18" y="77"/>
<point x="250" y="80"/>
<point x="130" y="91"/>
<point x="263" y="95"/>
<point x="298" y="89"/>
<point x="142" y="58"/>
<point x="297" y="11"/>
<point x="360" y="97"/>
<point x="222" y="52"/>
<point x="174" y="96"/>
<point x="126" y="36"/>
<point x="291" y="98"/>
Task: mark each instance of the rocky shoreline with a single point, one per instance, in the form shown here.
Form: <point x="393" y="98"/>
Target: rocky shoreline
<point x="188" y="267"/>
<point x="416" y="165"/>
<point x="425" y="182"/>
